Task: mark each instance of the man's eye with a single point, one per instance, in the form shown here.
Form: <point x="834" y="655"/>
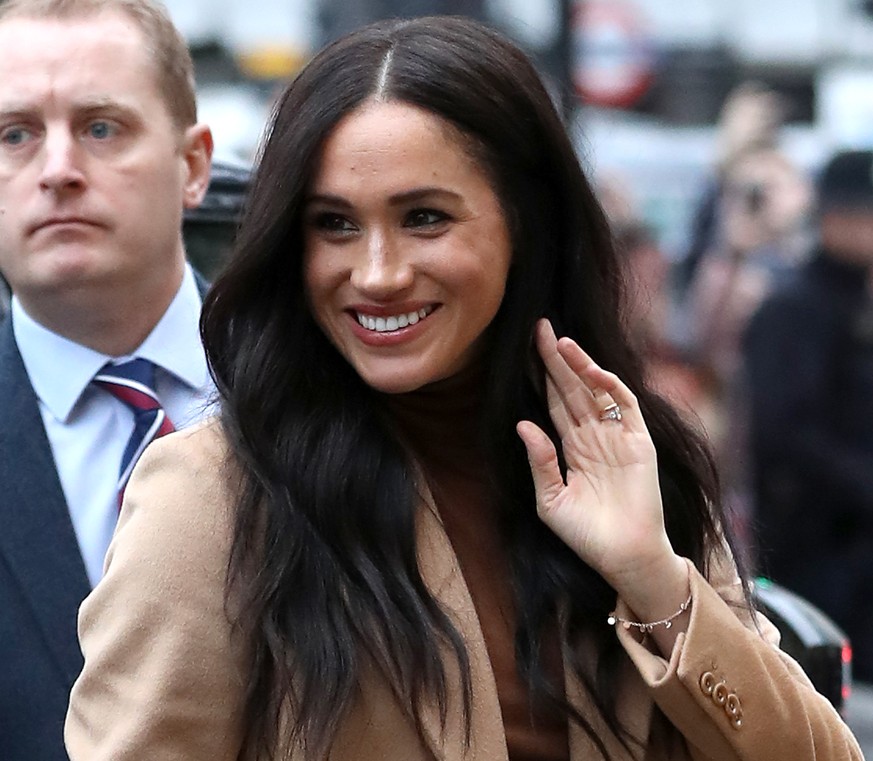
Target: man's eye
<point x="101" y="130"/>
<point x="15" y="136"/>
<point x="424" y="218"/>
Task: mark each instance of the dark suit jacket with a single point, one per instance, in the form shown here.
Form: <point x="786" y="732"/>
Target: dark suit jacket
<point x="42" y="576"/>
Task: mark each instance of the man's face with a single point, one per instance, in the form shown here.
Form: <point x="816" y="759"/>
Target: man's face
<point x="93" y="173"/>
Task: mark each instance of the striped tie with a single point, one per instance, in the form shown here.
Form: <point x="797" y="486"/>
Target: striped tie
<point x="133" y="383"/>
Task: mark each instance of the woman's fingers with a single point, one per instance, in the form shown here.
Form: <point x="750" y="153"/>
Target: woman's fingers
<point x="606" y="387"/>
<point x="558" y="410"/>
<point x="575" y="394"/>
<point x="584" y="388"/>
<point x="543" y="462"/>
<point x="609" y="505"/>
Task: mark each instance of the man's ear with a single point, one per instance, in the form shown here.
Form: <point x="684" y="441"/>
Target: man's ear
<point x="197" y="153"/>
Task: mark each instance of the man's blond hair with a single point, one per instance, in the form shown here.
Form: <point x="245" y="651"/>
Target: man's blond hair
<point x="166" y="46"/>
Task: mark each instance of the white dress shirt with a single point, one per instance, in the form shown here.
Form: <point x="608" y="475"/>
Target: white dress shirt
<point x="88" y="428"/>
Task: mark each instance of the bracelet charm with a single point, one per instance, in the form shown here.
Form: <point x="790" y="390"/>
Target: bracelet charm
<point x="647" y="627"/>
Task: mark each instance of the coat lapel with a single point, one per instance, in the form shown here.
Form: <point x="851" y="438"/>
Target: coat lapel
<point x="634" y="706"/>
<point x="442" y="574"/>
<point x="37" y="541"/>
<point x="443" y="577"/>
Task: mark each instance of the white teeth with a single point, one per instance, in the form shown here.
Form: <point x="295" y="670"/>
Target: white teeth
<point x="395" y="322"/>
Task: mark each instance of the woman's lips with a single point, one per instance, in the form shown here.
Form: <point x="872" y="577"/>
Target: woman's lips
<point x="390" y="328"/>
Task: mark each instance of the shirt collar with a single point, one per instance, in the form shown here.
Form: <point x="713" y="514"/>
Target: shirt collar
<point x="174" y="345"/>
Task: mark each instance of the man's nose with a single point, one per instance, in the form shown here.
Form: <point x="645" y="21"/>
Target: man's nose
<point x="62" y="165"/>
<point x="384" y="269"/>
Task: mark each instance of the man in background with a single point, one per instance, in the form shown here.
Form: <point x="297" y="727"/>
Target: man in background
<point x="100" y="152"/>
<point x="809" y="361"/>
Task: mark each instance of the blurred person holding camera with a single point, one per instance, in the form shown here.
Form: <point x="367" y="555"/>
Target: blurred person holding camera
<point x="809" y="364"/>
<point x="749" y="230"/>
<point x="750" y="121"/>
<point x="763" y="212"/>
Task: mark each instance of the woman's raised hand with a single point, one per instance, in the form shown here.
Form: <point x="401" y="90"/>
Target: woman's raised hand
<point x="609" y="508"/>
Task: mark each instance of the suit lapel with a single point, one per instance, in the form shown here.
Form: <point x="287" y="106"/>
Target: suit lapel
<point x="202" y="284"/>
<point x="443" y="577"/>
<point x="37" y="541"/>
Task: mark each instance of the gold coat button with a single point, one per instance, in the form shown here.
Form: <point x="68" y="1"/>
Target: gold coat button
<point x="734" y="710"/>
<point x="707" y="682"/>
<point x="732" y="705"/>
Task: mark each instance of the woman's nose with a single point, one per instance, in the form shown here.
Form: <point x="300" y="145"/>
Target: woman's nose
<point x="384" y="269"/>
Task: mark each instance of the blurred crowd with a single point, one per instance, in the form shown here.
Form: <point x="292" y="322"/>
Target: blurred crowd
<point x="763" y="332"/>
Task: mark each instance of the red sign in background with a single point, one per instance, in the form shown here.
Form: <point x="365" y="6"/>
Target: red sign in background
<point x="613" y="57"/>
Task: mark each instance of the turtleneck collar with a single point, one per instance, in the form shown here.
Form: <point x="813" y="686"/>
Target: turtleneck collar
<point x="441" y="421"/>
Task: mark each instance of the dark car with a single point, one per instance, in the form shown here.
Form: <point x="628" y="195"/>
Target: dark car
<point x="811" y="638"/>
<point x="209" y="230"/>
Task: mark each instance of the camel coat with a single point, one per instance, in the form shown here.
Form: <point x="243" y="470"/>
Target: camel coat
<point x="164" y="678"/>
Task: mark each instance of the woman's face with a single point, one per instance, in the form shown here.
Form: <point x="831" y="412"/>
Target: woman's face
<point x="406" y="246"/>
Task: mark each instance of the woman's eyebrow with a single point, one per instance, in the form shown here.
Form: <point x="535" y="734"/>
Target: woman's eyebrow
<point x="397" y="199"/>
<point x="328" y="200"/>
<point x="417" y="194"/>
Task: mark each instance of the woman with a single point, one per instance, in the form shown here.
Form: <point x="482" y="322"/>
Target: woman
<point x="378" y="553"/>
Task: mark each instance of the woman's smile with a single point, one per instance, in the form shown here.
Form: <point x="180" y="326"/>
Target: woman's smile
<point x="386" y="324"/>
<point x="392" y="328"/>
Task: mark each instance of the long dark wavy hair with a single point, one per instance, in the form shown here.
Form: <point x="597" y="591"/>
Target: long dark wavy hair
<point x="323" y="572"/>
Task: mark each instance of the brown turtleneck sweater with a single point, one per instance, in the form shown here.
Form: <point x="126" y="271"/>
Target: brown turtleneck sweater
<point x="440" y="422"/>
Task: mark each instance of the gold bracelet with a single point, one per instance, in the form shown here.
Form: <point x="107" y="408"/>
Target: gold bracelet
<point x="614" y="619"/>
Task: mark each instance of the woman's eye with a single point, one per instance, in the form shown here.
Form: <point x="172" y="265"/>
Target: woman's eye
<point x="333" y="223"/>
<point x="424" y="218"/>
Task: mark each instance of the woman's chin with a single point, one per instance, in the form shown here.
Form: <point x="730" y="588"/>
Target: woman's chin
<point x="399" y="380"/>
<point x="399" y="384"/>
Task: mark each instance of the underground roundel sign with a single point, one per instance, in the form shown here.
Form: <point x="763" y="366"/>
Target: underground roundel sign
<point x="613" y="59"/>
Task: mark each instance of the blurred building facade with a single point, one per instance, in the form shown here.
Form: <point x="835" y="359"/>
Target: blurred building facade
<point x="689" y="54"/>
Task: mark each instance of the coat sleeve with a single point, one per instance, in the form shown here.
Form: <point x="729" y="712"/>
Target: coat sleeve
<point x="163" y="676"/>
<point x="730" y="691"/>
